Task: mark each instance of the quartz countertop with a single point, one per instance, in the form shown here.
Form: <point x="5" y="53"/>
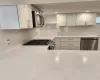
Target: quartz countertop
<point x="52" y="37"/>
<point x="38" y="63"/>
<point x="79" y="36"/>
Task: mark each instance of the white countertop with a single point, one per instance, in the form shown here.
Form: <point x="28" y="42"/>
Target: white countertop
<point x="78" y="36"/>
<point x="52" y="37"/>
<point x="38" y="63"/>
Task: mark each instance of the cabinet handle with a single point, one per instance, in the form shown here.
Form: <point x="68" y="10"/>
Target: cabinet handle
<point x="28" y="23"/>
<point x="70" y="44"/>
<point x="70" y="39"/>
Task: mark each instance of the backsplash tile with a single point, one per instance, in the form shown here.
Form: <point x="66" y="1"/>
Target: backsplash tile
<point x="15" y="36"/>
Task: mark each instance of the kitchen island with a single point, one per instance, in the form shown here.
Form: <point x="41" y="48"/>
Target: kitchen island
<point x="89" y="42"/>
<point x="38" y="63"/>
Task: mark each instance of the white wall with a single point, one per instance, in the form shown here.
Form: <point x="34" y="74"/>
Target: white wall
<point x="15" y="36"/>
<point x="50" y="18"/>
<point x="50" y="1"/>
<point x="81" y="30"/>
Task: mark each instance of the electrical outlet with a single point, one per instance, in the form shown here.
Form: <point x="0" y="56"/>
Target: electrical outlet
<point x="8" y="41"/>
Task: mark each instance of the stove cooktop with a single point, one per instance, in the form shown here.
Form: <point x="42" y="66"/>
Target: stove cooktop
<point x="38" y="42"/>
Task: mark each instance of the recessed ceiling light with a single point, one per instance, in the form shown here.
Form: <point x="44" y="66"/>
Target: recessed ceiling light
<point x="87" y="11"/>
<point x="56" y="12"/>
<point x="37" y="12"/>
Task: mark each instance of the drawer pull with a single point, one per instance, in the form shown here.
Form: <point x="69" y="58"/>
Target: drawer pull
<point x="70" y="39"/>
<point x="70" y="44"/>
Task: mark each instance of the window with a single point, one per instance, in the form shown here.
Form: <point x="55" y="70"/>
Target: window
<point x="97" y="19"/>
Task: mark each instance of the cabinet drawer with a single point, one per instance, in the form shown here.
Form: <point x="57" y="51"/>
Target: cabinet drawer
<point x="57" y="47"/>
<point x="70" y="39"/>
<point x="57" y="41"/>
<point x="70" y="43"/>
<point x="70" y="48"/>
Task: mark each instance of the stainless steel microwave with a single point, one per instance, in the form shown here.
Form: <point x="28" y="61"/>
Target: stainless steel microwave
<point x="38" y="19"/>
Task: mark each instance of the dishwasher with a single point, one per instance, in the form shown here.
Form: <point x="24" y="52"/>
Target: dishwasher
<point x="89" y="43"/>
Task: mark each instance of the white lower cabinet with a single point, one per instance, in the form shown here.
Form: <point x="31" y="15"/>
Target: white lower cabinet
<point x="71" y="43"/>
<point x="70" y="39"/>
<point x="65" y="43"/>
<point x="69" y="48"/>
<point x="57" y="43"/>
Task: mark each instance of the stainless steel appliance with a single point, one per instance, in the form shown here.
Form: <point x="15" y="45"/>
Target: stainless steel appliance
<point x="89" y="43"/>
<point x="38" y="19"/>
<point x="38" y="42"/>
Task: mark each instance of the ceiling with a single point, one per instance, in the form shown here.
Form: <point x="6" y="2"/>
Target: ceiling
<point x="51" y="8"/>
<point x="58" y="1"/>
<point x="55" y="1"/>
<point x="4" y="2"/>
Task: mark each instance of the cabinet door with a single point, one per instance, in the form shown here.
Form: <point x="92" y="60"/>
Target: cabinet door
<point x="61" y="20"/>
<point x="9" y="17"/>
<point x="22" y="16"/>
<point x="91" y="19"/>
<point x="29" y="16"/>
<point x="81" y="19"/>
<point x="25" y="16"/>
<point x="69" y="48"/>
<point x="71" y="19"/>
<point x="70" y="43"/>
<point x="57" y="43"/>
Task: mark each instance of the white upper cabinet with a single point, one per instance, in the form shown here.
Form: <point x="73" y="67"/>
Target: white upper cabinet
<point x="29" y="16"/>
<point x="81" y="19"/>
<point x="86" y="19"/>
<point x="22" y="16"/>
<point x="91" y="19"/>
<point x="71" y="19"/>
<point x="61" y="20"/>
<point x="15" y="17"/>
<point x="9" y="17"/>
